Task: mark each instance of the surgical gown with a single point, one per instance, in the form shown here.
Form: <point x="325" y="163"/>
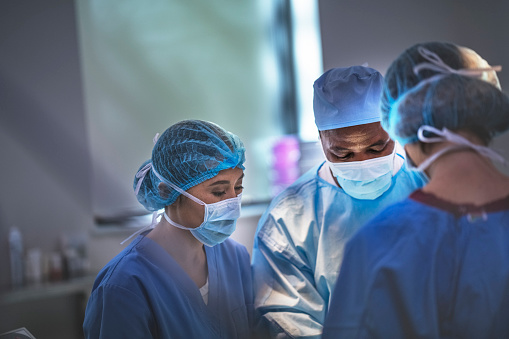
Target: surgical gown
<point x="144" y="293"/>
<point x="299" y="247"/>
<point x="426" y="268"/>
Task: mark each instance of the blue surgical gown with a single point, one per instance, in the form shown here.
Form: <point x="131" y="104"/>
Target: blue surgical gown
<point x="425" y="268"/>
<point x="299" y="247"/>
<point x="144" y="293"/>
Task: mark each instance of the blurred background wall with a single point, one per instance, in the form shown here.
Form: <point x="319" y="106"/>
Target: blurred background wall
<point x="85" y="85"/>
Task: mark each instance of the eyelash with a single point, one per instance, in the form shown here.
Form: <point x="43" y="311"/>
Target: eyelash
<point x="349" y="155"/>
<point x="220" y="194"/>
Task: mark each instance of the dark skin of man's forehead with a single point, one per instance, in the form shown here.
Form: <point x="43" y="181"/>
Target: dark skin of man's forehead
<point x="357" y="139"/>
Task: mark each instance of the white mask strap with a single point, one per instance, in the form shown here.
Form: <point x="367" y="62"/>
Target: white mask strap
<point x="155" y="215"/>
<point x="176" y="224"/>
<point x="461" y="142"/>
<point x="141" y="176"/>
<point x="142" y="173"/>
<point x="438" y="65"/>
<point x="426" y="163"/>
<point x="178" y="189"/>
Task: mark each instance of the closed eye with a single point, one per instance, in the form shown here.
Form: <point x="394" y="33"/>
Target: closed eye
<point x="343" y="157"/>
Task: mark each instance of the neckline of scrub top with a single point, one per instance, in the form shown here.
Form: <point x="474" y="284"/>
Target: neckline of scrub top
<point x="460" y="209"/>
<point x="160" y="255"/>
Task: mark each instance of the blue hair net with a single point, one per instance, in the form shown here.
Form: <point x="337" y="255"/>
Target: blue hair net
<point x="346" y="97"/>
<point x="186" y="154"/>
<point x="442" y="85"/>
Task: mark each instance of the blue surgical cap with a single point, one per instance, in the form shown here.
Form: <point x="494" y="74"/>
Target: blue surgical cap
<point x="346" y="97"/>
<point x="455" y="100"/>
<point x="186" y="154"/>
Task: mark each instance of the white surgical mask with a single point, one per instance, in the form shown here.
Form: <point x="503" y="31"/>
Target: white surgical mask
<point x="367" y="179"/>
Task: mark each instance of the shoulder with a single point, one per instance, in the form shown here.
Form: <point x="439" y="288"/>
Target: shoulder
<point x="394" y="215"/>
<point x="301" y="194"/>
<point x="395" y="224"/>
<point x="125" y="269"/>
<point x="306" y="182"/>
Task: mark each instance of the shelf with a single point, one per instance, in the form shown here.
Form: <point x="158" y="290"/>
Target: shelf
<point x="48" y="290"/>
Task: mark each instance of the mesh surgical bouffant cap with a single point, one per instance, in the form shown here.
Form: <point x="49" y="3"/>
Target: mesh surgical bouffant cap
<point x="442" y="85"/>
<point x="346" y="97"/>
<point x="186" y="154"/>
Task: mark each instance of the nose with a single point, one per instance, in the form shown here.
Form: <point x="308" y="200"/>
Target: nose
<point x="363" y="156"/>
<point x="230" y="193"/>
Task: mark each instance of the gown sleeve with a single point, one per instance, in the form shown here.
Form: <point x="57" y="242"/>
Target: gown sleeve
<point x="115" y="312"/>
<point x="286" y="299"/>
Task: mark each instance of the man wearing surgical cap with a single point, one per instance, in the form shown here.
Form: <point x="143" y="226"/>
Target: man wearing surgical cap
<point x="300" y="238"/>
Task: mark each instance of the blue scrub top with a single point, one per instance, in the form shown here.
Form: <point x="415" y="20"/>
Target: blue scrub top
<point x="144" y="293"/>
<point x="425" y="268"/>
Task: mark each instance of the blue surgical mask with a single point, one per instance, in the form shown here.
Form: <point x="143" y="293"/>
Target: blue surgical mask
<point x="366" y="179"/>
<point x="219" y="220"/>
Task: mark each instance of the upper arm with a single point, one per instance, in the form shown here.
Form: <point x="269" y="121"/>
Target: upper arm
<point x="115" y="312"/>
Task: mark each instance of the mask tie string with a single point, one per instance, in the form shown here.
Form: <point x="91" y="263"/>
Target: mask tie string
<point x="461" y="142"/>
<point x="438" y="65"/>
<point x="142" y="173"/>
<point x="141" y="176"/>
<point x="155" y="215"/>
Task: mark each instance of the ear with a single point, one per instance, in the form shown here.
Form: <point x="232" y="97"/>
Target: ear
<point x="163" y="190"/>
<point x="165" y="194"/>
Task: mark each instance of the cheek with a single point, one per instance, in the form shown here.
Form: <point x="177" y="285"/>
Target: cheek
<point x="412" y="152"/>
<point x="196" y="214"/>
<point x="326" y="153"/>
<point x="191" y="213"/>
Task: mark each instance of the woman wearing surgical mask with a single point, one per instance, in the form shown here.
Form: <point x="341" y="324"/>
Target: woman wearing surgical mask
<point x="181" y="277"/>
<point x="435" y="265"/>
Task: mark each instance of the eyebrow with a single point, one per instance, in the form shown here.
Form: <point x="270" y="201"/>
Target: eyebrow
<point x="224" y="182"/>
<point x="378" y="143"/>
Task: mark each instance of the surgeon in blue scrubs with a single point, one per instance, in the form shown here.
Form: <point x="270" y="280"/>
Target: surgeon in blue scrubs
<point x="435" y="265"/>
<point x="300" y="238"/>
<point x="181" y="277"/>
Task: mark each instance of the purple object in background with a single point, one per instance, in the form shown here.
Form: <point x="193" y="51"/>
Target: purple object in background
<point x="285" y="163"/>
